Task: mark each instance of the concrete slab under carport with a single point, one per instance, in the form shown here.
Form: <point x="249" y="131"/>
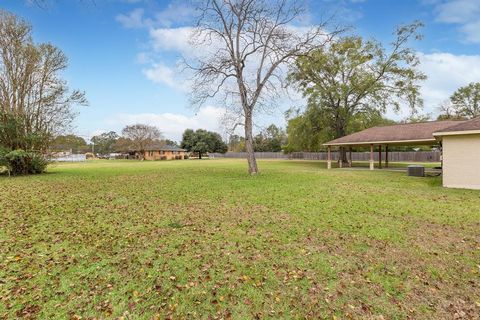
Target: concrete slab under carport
<point x="379" y="145"/>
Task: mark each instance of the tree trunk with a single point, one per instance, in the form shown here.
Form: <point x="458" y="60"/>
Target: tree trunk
<point x="200" y="156"/>
<point x="343" y="156"/>
<point x="252" y="162"/>
<point x="342" y="151"/>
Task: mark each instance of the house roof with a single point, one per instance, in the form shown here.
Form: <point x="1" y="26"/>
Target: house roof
<point x="162" y="147"/>
<point x="171" y="148"/>
<point x="465" y="127"/>
<point x="156" y="146"/>
<point x="406" y="134"/>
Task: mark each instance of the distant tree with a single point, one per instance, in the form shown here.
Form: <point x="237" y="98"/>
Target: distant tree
<point x="413" y="118"/>
<point x="463" y="104"/>
<point x="353" y="76"/>
<point x="35" y="102"/>
<point x="271" y="139"/>
<point x="171" y="143"/>
<point x="188" y="139"/>
<point x="203" y="141"/>
<point x="139" y="136"/>
<point x="123" y="145"/>
<point x="105" y="142"/>
<point x="69" y="142"/>
<point x="446" y="112"/>
<point x="308" y="130"/>
<point x="253" y="41"/>
<point x="236" y="143"/>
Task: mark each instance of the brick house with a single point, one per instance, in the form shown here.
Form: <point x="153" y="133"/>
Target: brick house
<point x="159" y="152"/>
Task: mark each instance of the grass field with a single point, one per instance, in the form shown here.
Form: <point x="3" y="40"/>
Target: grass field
<point x="202" y="239"/>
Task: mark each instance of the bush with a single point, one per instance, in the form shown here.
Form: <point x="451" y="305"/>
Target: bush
<point x="19" y="162"/>
<point x="3" y="161"/>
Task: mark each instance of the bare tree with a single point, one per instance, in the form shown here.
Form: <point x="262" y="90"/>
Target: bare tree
<point x="244" y="48"/>
<point x="140" y="136"/>
<point x="35" y="102"/>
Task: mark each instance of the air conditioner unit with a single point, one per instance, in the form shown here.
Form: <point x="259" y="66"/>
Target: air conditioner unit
<point x="416" y="171"/>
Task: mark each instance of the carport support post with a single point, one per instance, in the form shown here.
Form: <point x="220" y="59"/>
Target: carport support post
<point x="386" y="156"/>
<point x="340" y="158"/>
<point x="371" y="157"/>
<point x="380" y="156"/>
<point x="350" y="156"/>
<point x="329" y="158"/>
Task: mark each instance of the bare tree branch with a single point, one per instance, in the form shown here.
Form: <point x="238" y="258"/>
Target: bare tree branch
<point x="244" y="45"/>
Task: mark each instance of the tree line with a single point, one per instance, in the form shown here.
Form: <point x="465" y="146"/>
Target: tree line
<point x="349" y="82"/>
<point x="249" y="51"/>
<point x="140" y="138"/>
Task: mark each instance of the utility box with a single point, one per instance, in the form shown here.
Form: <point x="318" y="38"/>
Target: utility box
<point x="416" y="171"/>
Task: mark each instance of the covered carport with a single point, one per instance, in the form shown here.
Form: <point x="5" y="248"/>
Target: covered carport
<point x="380" y="138"/>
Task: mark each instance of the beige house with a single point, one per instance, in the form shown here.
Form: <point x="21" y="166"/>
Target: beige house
<point x="461" y="154"/>
<point x="157" y="152"/>
<point x="460" y="141"/>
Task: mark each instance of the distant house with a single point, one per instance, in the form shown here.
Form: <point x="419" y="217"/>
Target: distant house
<point x="159" y="152"/>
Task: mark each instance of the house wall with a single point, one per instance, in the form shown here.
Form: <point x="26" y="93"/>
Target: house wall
<point x="461" y="161"/>
<point x="163" y="155"/>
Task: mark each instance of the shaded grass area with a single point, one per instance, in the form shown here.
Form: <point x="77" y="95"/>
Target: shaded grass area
<point x="199" y="239"/>
<point x="391" y="165"/>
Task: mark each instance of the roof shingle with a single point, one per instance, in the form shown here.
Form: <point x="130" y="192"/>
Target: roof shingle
<point x="469" y="125"/>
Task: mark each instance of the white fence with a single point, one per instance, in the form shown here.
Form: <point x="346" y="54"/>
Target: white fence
<point x="71" y="158"/>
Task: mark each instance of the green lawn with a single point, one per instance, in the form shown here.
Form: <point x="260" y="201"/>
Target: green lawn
<point x="199" y="239"/>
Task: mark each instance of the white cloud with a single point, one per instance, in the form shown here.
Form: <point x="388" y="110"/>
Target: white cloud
<point x="175" y="13"/>
<point x="465" y="13"/>
<point x="144" y="58"/>
<point x="173" y="125"/>
<point x="172" y="39"/>
<point x="132" y="20"/>
<point x="179" y="40"/>
<point x="472" y="30"/>
<point x="446" y="73"/>
<point x="96" y="133"/>
<point x="458" y="11"/>
<point x="162" y="74"/>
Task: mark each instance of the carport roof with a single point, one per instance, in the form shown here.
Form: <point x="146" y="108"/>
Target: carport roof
<point x="400" y="134"/>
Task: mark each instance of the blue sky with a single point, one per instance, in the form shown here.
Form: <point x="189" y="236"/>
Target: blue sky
<point x="125" y="53"/>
